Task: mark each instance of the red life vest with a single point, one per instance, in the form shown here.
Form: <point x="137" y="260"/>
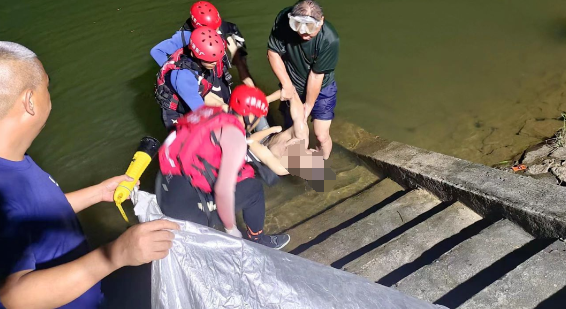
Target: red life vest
<point x="165" y="94"/>
<point x="193" y="151"/>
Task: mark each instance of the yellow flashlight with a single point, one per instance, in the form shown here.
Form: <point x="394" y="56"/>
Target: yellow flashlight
<point x="146" y="151"/>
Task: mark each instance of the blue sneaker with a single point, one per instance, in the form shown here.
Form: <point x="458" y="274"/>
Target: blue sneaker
<point x="274" y="241"/>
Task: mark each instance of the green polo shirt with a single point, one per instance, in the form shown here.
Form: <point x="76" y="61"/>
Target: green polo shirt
<point x="319" y="54"/>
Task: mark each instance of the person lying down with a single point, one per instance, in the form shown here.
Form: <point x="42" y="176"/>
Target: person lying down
<point x="285" y="154"/>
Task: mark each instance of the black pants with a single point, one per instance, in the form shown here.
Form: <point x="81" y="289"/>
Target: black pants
<point x="178" y="199"/>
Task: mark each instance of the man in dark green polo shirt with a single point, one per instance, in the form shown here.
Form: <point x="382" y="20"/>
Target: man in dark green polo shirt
<point x="303" y="53"/>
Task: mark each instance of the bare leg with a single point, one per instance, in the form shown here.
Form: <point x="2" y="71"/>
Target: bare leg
<point x="322" y="132"/>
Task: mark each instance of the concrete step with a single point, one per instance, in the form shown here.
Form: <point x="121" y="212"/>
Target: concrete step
<point x="309" y="231"/>
<point x="388" y="263"/>
<point x="538" y="282"/>
<point x="465" y="261"/>
<point x="343" y="240"/>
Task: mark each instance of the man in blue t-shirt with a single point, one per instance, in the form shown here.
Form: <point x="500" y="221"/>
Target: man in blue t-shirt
<point x="45" y="261"/>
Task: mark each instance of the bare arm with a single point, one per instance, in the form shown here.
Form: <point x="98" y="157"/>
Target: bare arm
<point x="267" y="158"/>
<point x="84" y="198"/>
<point x="289" y="93"/>
<point x="300" y="127"/>
<point x="274" y="96"/>
<point x="57" y="286"/>
<point x="213" y="100"/>
<point x="240" y="62"/>
<point x="232" y="48"/>
<point x="233" y="144"/>
<point x="263" y="153"/>
<point x="102" y="192"/>
<point x="280" y="71"/>
<point x="259" y="136"/>
<point x="242" y="67"/>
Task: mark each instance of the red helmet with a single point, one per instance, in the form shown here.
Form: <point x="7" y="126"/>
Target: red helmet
<point x="206" y="44"/>
<point x="203" y="13"/>
<point x="246" y="100"/>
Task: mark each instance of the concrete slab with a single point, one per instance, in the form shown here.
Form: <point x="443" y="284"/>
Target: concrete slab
<point x="412" y="244"/>
<point x="464" y="261"/>
<point x="311" y="228"/>
<point x="531" y="283"/>
<point x="534" y="205"/>
<point x="371" y="228"/>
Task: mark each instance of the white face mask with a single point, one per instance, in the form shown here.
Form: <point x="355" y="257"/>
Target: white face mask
<point x="303" y="24"/>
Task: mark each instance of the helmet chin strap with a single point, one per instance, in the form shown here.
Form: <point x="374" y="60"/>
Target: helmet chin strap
<point x="196" y="60"/>
<point x="247" y="123"/>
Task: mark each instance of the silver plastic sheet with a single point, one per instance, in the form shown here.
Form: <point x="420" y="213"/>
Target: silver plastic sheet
<point x="210" y="269"/>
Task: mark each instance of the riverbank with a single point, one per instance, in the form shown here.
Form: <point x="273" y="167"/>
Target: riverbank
<point x="545" y="161"/>
<point x="512" y="124"/>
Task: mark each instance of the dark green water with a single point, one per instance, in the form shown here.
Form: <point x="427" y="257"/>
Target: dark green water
<point x="459" y="77"/>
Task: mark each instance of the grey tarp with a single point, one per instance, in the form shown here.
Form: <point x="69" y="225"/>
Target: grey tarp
<point x="210" y="269"/>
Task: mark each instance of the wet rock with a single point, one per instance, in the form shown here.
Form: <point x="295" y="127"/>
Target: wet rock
<point x="542" y="168"/>
<point x="536" y="153"/>
<point x="559" y="172"/>
<point x="546" y="177"/>
<point x="559" y="153"/>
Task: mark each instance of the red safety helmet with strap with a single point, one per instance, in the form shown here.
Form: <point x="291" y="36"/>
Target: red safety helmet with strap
<point x="247" y="100"/>
<point x="193" y="150"/>
<point x="203" y="13"/>
<point x="206" y="44"/>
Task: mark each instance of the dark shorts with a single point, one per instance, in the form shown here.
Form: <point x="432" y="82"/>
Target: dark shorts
<point x="323" y="106"/>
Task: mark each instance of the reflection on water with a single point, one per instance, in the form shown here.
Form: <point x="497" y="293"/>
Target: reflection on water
<point x="466" y="78"/>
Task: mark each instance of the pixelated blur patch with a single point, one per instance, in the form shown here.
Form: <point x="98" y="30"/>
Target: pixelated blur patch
<point x="323" y="179"/>
<point x="310" y="165"/>
<point x="322" y="185"/>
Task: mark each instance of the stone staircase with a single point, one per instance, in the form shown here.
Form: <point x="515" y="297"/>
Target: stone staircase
<point x="388" y="227"/>
<point x="440" y="252"/>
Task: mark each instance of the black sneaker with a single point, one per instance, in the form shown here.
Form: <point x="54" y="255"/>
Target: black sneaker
<point x="274" y="241"/>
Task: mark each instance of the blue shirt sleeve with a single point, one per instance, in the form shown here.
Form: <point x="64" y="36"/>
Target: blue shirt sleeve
<point x="163" y="50"/>
<point x="15" y="241"/>
<point x="186" y="85"/>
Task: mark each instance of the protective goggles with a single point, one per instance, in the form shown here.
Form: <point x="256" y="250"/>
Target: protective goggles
<point x="303" y="24"/>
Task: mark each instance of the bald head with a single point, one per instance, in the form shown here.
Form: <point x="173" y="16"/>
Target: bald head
<point x="308" y="8"/>
<point x="19" y="70"/>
